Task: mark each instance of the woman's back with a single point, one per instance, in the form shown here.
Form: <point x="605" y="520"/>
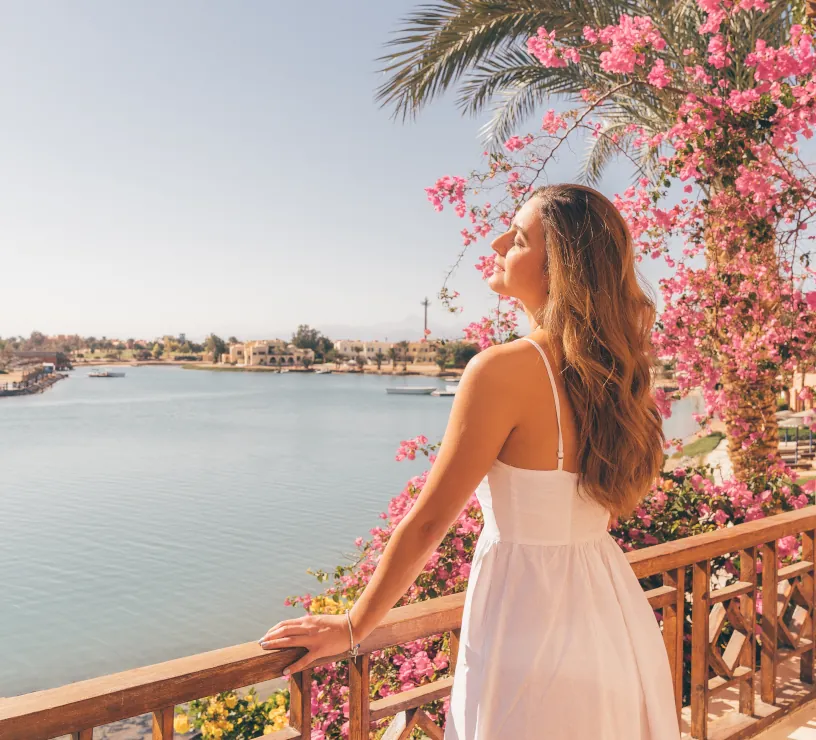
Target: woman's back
<point x="557" y="639"/>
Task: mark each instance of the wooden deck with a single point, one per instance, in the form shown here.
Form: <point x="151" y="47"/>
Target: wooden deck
<point x="733" y="694"/>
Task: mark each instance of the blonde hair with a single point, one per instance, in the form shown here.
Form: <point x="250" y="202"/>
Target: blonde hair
<point x="604" y="319"/>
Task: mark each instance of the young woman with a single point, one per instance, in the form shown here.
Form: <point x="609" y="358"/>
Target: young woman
<point x="557" y="432"/>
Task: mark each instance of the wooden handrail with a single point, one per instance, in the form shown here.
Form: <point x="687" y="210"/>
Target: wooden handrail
<point x="99" y="701"/>
<point x="158" y="688"/>
<point x="679" y="553"/>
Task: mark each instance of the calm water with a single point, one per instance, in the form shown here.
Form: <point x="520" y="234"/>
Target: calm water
<point x="172" y="511"/>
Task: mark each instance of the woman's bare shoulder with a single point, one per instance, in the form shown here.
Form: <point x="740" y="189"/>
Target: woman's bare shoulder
<point x="500" y="364"/>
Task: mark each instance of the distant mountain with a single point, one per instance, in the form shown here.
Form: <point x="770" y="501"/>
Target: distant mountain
<point x="409" y="328"/>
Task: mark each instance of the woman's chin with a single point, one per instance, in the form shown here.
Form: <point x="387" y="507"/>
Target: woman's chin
<point x="496" y="283"/>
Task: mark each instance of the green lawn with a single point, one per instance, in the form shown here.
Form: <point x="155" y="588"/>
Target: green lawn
<point x="701" y="446"/>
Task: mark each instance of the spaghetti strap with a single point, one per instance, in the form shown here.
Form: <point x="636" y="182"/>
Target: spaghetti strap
<point x="557" y="401"/>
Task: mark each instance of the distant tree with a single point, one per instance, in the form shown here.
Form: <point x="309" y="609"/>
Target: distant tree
<point x="443" y="355"/>
<point x="157" y="350"/>
<point x="306" y="361"/>
<point x="233" y="340"/>
<point x="130" y="343"/>
<point x="324" y="346"/>
<point x="36" y="340"/>
<point x="463" y="352"/>
<point x="185" y="348"/>
<point x="305" y="337"/>
<point x="393" y="355"/>
<point x="403" y="351"/>
<point x="359" y="359"/>
<point x="378" y="358"/>
<point x="215" y="345"/>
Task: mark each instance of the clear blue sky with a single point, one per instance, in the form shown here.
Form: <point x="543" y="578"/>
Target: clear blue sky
<point x="198" y="166"/>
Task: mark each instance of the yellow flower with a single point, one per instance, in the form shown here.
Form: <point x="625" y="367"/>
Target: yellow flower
<point x="231" y="701"/>
<point x="181" y="724"/>
<point x="280" y="699"/>
<point x="268" y="730"/>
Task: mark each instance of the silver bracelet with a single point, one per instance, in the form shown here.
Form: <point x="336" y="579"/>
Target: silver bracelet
<point x="355" y="649"/>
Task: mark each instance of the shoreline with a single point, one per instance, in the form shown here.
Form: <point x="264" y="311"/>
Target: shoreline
<point x="40" y="386"/>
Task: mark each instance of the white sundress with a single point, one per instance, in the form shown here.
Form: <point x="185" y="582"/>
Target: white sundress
<point x="558" y="641"/>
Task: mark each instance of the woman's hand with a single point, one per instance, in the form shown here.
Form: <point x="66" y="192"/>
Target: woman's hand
<point x="322" y="635"/>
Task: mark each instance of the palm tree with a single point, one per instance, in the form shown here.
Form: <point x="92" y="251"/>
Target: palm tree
<point x="360" y="360"/>
<point x="392" y="355"/>
<point x="403" y="346"/>
<point x="378" y="358"/>
<point x="478" y="47"/>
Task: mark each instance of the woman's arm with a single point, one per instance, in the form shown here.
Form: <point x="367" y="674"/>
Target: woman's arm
<point x="482" y="417"/>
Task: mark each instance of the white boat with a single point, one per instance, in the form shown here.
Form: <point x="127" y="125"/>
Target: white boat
<point x="412" y="390"/>
<point x="105" y="374"/>
<point x="446" y="392"/>
<point x="323" y="372"/>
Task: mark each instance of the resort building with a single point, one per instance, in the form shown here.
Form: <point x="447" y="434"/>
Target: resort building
<point x="422" y="351"/>
<point x="267" y="352"/>
<point x="417" y="351"/>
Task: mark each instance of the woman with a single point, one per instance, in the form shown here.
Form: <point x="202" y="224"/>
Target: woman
<point x="558" y="640"/>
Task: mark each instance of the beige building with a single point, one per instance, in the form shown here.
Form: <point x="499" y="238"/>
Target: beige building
<point x="348" y="349"/>
<point x="796" y="403"/>
<point x="422" y="351"/>
<point x="273" y="352"/>
<point x="417" y="351"/>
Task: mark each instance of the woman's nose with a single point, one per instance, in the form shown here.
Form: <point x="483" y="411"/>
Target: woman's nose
<point x="497" y="245"/>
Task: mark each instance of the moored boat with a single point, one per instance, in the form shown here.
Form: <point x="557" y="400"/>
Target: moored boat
<point x="105" y="374"/>
<point x="411" y="390"/>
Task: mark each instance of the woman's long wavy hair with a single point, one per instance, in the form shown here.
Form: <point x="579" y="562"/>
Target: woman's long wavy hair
<point x="604" y="318"/>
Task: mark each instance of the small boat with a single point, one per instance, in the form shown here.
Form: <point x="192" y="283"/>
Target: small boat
<point x="323" y="372"/>
<point x="446" y="392"/>
<point x="105" y="374"/>
<point x="411" y="390"/>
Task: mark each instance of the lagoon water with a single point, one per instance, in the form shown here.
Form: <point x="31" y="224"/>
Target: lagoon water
<point x="172" y="511"/>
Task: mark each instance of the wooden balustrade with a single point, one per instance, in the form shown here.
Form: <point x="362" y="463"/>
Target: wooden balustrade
<point x="721" y="637"/>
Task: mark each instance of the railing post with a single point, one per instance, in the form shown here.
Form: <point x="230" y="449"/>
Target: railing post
<point x="163" y="723"/>
<point x="770" y="588"/>
<point x="454" y="649"/>
<point x="673" y="617"/>
<point x="700" y="585"/>
<point x="359" y="698"/>
<point x="82" y="735"/>
<point x="747" y="560"/>
<point x="300" y="702"/>
<point x="808" y="591"/>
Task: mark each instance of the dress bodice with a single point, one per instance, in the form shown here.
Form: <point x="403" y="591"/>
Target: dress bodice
<point x="538" y="507"/>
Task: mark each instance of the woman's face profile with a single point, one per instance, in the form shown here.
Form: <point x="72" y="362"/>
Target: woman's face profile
<point x="521" y="259"/>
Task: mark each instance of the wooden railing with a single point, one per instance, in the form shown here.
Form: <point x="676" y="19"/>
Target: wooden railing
<point x="717" y="665"/>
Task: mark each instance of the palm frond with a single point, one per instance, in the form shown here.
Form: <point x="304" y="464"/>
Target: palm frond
<point x="438" y="43"/>
<point x="601" y="149"/>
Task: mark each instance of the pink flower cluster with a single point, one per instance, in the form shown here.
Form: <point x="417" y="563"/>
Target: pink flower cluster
<point x="408" y="448"/>
<point x="552" y="123"/>
<point x="627" y="40"/>
<point x="452" y="188"/>
<point x="543" y="47"/>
